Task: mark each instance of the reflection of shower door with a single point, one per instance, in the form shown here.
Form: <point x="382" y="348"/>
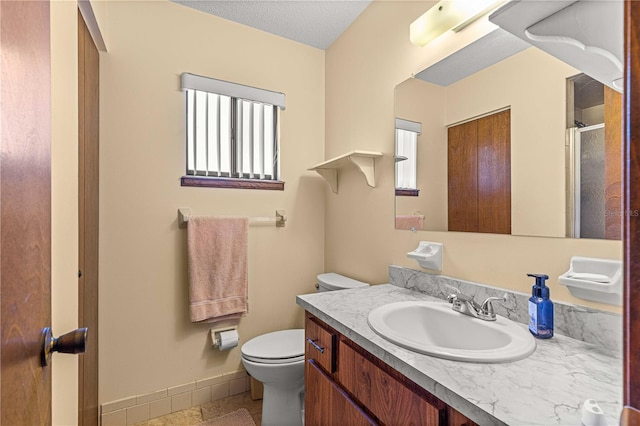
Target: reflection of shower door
<point x="586" y="182"/>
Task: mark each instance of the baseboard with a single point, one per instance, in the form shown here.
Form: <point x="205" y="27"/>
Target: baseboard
<point x="140" y="408"/>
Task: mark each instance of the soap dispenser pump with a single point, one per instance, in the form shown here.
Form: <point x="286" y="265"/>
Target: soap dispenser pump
<point x="540" y="309"/>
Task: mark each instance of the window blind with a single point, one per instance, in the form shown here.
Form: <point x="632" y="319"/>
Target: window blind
<point x="232" y="90"/>
<point x="232" y="129"/>
<point x="406" y="149"/>
<point x="407" y="133"/>
<point x="410" y="126"/>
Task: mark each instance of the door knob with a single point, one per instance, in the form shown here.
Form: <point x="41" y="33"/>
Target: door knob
<point x="73" y="342"/>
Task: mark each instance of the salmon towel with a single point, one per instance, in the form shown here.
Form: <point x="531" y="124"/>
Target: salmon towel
<point x="217" y="250"/>
<point x="410" y="222"/>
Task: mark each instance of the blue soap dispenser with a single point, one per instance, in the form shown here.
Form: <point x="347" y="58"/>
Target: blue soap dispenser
<point x="540" y="309"/>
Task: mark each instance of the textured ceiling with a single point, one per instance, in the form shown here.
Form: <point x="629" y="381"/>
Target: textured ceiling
<point x="316" y="23"/>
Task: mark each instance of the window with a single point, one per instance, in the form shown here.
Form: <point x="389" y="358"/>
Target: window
<point x="407" y="133"/>
<point x="232" y="134"/>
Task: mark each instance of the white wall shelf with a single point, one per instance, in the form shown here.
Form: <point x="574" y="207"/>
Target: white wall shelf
<point x="558" y="28"/>
<point x="362" y="160"/>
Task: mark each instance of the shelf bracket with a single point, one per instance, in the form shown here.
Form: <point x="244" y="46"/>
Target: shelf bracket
<point x="331" y="176"/>
<point x="366" y="165"/>
<point x="364" y="161"/>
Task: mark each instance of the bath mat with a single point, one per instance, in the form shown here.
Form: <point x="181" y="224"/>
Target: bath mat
<point x="239" y="417"/>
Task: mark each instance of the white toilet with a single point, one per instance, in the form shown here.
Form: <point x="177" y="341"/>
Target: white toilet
<point x="332" y="281"/>
<point x="277" y="360"/>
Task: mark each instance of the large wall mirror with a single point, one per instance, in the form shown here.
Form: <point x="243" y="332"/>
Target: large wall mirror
<point x="515" y="148"/>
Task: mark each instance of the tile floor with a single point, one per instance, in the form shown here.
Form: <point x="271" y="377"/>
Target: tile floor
<point x="195" y="415"/>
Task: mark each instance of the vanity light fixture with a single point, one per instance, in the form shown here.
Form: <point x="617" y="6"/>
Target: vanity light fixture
<point x="448" y="15"/>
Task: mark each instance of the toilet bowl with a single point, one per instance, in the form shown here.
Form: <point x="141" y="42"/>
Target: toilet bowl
<point x="277" y="360"/>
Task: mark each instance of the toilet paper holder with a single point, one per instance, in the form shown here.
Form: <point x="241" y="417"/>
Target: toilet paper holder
<point x="217" y="339"/>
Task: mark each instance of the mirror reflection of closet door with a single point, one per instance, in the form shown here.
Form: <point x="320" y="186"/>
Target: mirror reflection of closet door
<point x="479" y="174"/>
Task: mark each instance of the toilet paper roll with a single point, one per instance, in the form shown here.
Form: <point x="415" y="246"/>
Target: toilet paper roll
<point x="227" y="340"/>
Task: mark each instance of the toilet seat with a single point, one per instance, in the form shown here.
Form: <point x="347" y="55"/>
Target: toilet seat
<point x="278" y="347"/>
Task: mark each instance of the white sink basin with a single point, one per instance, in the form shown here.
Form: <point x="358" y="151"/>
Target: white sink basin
<point x="433" y="328"/>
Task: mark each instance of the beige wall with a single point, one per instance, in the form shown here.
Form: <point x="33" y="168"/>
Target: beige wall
<point x="146" y="339"/>
<point x="593" y="115"/>
<point x="362" y="69"/>
<point x="64" y="203"/>
<point x="425" y="103"/>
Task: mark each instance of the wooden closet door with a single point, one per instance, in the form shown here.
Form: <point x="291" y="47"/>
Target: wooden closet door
<point x="479" y="175"/>
<point x="463" y="177"/>
<point x="494" y="173"/>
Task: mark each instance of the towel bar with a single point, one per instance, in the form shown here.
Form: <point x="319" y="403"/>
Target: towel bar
<point x="279" y="220"/>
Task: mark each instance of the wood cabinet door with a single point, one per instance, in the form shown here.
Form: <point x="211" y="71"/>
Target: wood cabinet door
<point x="326" y="404"/>
<point x="390" y="397"/>
<point x="457" y="419"/>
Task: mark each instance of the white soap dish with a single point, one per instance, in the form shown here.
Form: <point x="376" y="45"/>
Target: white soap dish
<point x="428" y="255"/>
<point x="598" y="280"/>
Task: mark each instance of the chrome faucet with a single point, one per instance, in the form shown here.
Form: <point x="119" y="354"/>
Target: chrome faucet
<point x="466" y="305"/>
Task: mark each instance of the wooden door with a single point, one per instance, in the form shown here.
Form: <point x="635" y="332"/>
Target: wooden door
<point x="88" y="162"/>
<point x="613" y="164"/>
<point x="25" y="211"/>
<point x="479" y="175"/>
<point x="631" y="226"/>
<point x="494" y="173"/>
<point x="462" y="177"/>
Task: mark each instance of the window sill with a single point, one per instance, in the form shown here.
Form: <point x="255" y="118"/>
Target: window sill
<point x="407" y="192"/>
<point x="217" y="182"/>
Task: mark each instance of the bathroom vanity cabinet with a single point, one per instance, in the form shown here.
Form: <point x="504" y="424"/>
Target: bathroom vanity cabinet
<point x="345" y="384"/>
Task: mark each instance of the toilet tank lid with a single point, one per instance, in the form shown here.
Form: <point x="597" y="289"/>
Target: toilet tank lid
<point x="337" y="281"/>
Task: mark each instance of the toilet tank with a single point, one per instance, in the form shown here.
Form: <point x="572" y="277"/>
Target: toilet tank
<point x="332" y="281"/>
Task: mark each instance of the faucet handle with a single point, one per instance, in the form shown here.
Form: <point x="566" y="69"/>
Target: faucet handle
<point x="487" y="306"/>
<point x="465" y="298"/>
<point x="455" y="297"/>
<point x="452" y="288"/>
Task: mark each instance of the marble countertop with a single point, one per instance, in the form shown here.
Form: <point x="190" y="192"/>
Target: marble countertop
<point x="547" y="388"/>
